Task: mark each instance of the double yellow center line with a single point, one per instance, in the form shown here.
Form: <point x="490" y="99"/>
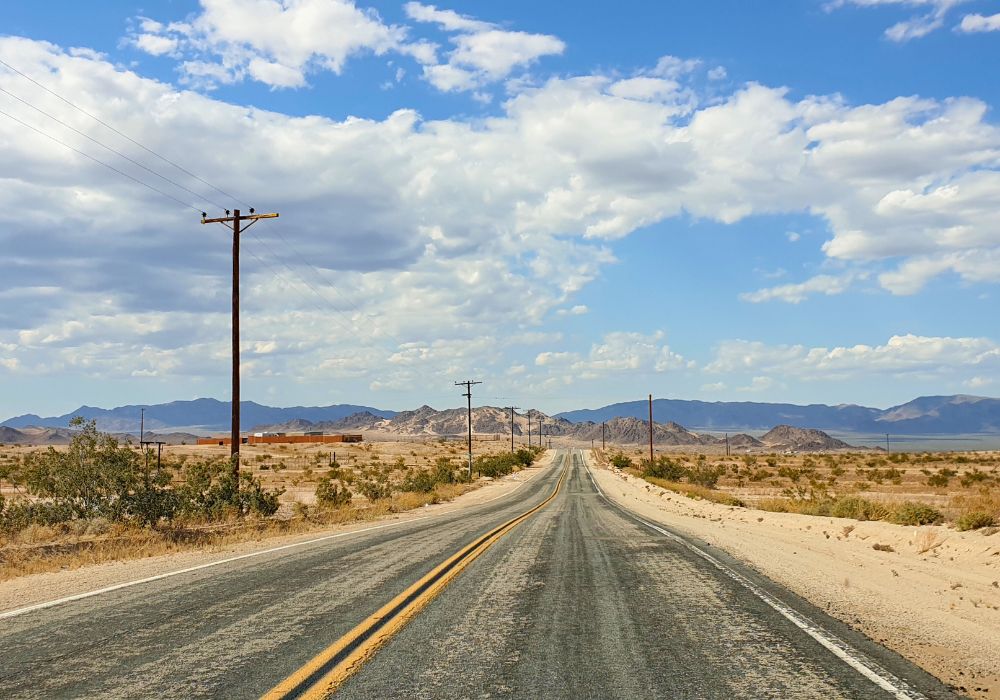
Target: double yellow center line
<point x="322" y="675"/>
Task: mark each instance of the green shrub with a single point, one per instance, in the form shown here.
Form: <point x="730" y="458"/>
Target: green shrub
<point x="974" y="477"/>
<point x="975" y="520"/>
<point x="497" y="465"/>
<point x="419" y="481"/>
<point x="663" y="468"/>
<point x="913" y="513"/>
<point x="703" y="475"/>
<point x="859" y="509"/>
<point x="374" y="490"/>
<point x="328" y="494"/>
<point x="620" y="461"/>
<point x="211" y="490"/>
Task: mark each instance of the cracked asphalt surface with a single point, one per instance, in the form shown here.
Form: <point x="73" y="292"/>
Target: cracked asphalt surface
<point x="579" y="601"/>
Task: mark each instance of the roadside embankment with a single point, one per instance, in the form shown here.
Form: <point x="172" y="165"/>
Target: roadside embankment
<point x="930" y="593"/>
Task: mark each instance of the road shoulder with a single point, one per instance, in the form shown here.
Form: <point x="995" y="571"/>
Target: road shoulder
<point x="938" y="608"/>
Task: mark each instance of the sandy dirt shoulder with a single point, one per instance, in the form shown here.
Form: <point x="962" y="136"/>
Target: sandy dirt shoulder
<point x="38" y="588"/>
<point x="934" y="598"/>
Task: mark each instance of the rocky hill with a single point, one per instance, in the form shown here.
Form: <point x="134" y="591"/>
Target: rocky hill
<point x="491" y="420"/>
<point x="34" y="435"/>
<point x="787" y="437"/>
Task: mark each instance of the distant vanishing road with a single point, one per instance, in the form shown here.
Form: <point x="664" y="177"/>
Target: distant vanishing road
<point x="577" y="599"/>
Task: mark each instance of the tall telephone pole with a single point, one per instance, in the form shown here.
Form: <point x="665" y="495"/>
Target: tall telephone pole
<point x="468" y="384"/>
<point x="650" y="430"/>
<point x="236" y="220"/>
<point x="512" y="409"/>
<point x="602" y="436"/>
<point x="529" y="426"/>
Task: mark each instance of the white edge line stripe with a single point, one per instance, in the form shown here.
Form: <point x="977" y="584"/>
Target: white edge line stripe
<point x="128" y="584"/>
<point x="840" y="649"/>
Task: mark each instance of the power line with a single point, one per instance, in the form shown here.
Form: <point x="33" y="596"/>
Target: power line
<point x="320" y="277"/>
<point x="100" y="162"/>
<point x="123" y="135"/>
<point x="110" y="148"/>
<point x="160" y="192"/>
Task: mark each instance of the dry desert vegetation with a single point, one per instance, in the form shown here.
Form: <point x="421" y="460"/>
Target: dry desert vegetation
<point x="99" y="500"/>
<point x="961" y="489"/>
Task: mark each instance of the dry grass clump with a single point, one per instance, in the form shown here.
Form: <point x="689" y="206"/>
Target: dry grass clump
<point x="977" y="511"/>
<point x="856" y="508"/>
<point x="697" y="492"/>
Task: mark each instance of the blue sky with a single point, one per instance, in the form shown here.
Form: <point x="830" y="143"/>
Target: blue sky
<point x="787" y="201"/>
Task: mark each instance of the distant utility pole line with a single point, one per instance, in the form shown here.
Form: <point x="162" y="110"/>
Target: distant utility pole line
<point x="468" y="384"/>
<point x="236" y="220"/>
<point x="602" y="436"/>
<point x="512" y="409"/>
<point x="651" y="430"/>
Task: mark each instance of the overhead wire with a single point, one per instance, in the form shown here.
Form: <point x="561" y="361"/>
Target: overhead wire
<point x="120" y="133"/>
<point x="149" y="170"/>
<point x="319" y="276"/>
<point x="110" y="148"/>
<point x="99" y="161"/>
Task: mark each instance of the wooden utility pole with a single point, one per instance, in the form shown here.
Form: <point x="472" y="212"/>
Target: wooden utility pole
<point x="650" y="430"/>
<point x="512" y="409"/>
<point x="602" y="436"/>
<point x="468" y="384"/>
<point x="236" y="220"/>
<point x="529" y="427"/>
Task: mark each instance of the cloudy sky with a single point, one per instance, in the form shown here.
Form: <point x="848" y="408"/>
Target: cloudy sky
<point x="723" y="200"/>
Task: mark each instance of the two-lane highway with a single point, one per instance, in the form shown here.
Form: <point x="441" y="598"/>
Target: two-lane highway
<point x="580" y="599"/>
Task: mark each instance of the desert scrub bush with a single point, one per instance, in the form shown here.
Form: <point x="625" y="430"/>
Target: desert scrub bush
<point x="419" y="481"/>
<point x="211" y="490"/>
<point x="663" y="468"/>
<point x="620" y="461"/>
<point x="496" y="465"/>
<point x="703" y="475"/>
<point x="859" y="509"/>
<point x="941" y="478"/>
<point x="789" y="473"/>
<point x="760" y="475"/>
<point x="974" y="520"/>
<point x="95" y="477"/>
<point x="330" y="495"/>
<point x="914" y="513"/>
<point x="374" y="490"/>
<point x="973" y="477"/>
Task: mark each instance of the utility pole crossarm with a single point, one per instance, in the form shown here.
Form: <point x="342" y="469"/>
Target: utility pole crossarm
<point x="230" y="219"/>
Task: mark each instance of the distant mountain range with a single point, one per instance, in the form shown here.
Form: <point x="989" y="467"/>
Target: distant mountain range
<point x="927" y="415"/>
<point x="618" y="431"/>
<point x="200" y="415"/>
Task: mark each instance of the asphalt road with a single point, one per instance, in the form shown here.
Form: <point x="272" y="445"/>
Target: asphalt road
<point x="582" y="600"/>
